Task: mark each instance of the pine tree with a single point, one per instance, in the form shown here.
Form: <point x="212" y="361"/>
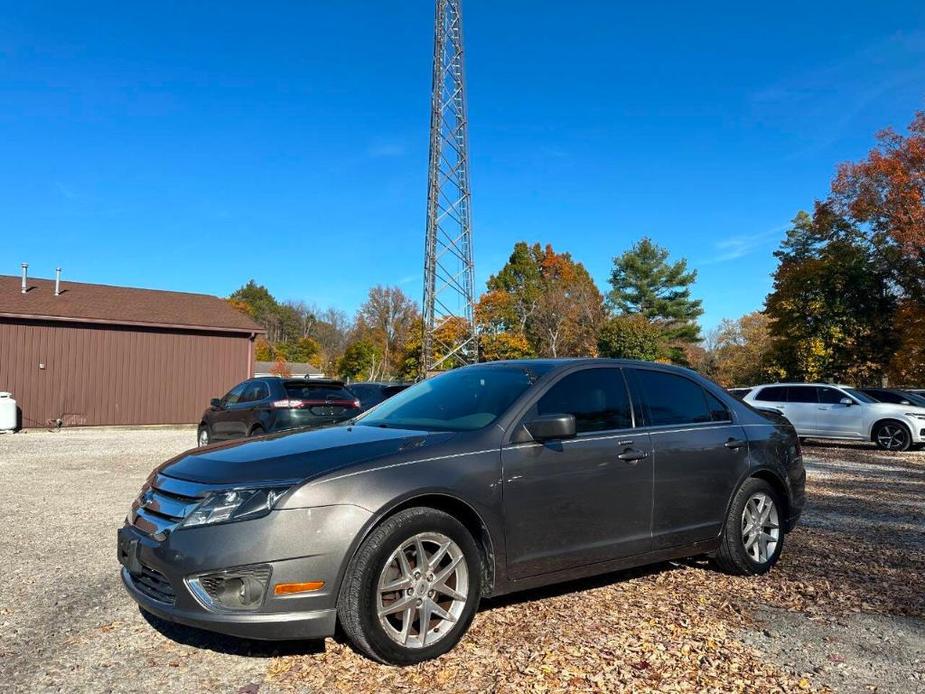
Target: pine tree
<point x="644" y="282"/>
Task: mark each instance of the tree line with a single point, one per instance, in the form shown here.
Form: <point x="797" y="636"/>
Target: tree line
<point x="847" y="302"/>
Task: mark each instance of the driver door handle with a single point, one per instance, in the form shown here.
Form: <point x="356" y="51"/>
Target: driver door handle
<point x="734" y="443"/>
<point x="631" y="456"/>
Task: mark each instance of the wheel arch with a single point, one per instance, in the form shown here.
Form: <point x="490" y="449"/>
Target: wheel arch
<point x="441" y="501"/>
<point x="883" y="420"/>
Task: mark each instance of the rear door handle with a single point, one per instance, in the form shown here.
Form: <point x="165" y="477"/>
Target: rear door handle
<point x="632" y="456"/>
<point x="734" y="443"/>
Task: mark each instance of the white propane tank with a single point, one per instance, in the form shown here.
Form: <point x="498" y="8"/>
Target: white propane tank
<point x="7" y="412"/>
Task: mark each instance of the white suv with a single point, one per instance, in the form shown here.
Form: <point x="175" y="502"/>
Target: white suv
<point x="840" y="412"/>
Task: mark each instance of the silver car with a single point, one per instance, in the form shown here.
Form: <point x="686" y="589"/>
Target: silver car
<point x="482" y="481"/>
<point x="840" y="412"/>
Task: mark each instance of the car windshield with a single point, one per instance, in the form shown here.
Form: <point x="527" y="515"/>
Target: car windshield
<point x="863" y="397"/>
<point x="462" y="400"/>
<point x="914" y="398"/>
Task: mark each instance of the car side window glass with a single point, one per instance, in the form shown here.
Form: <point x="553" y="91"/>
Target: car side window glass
<point x="803" y="394"/>
<point x="718" y="411"/>
<point x="261" y="392"/>
<point x="234" y="395"/>
<point x="772" y="394"/>
<point x="830" y="396"/>
<point x="596" y="397"/>
<point x="672" y="399"/>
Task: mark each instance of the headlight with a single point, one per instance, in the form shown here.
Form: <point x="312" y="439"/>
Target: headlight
<point x="240" y="504"/>
<point x="917" y="415"/>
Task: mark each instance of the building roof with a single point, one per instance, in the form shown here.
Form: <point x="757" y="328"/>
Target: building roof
<point x="295" y="368"/>
<point x="101" y="303"/>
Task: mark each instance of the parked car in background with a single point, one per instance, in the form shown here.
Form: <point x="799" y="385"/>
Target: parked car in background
<point x="371" y="393"/>
<point x="265" y="405"/>
<point x="739" y="393"/>
<point x="841" y="412"/>
<point x="482" y="481"/>
<point x="895" y="396"/>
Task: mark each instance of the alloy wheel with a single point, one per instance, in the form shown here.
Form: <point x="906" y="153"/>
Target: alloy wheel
<point x="203" y="437"/>
<point x="760" y="527"/>
<point x="422" y="590"/>
<point x="891" y="437"/>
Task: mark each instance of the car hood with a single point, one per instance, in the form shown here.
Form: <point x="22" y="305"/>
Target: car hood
<point x="296" y="456"/>
<point x="894" y="408"/>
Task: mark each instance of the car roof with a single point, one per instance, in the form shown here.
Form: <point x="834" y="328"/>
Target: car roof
<point x="821" y="385"/>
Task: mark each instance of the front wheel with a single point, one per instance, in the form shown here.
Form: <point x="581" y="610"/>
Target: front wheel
<point x="753" y="536"/>
<point x="892" y="436"/>
<point x="412" y="588"/>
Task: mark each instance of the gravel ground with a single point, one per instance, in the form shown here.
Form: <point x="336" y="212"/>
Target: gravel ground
<point x="843" y="610"/>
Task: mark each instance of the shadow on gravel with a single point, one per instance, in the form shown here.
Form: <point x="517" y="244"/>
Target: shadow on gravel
<point x="230" y="645"/>
<point x="575" y="586"/>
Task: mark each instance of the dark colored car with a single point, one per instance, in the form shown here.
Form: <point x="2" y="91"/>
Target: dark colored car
<point x="895" y="396"/>
<point x="482" y="481"/>
<point x="266" y="405"/>
<point x="371" y="393"/>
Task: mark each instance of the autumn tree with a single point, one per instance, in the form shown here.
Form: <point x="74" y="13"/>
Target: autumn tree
<point x="885" y="193"/>
<point x="644" y="282"/>
<point x="541" y="303"/>
<point x="631" y="336"/>
<point x="741" y="351"/>
<point x="386" y="319"/>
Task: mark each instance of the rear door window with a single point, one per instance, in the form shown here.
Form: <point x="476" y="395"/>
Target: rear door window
<point x="718" y="411"/>
<point x="772" y="394"/>
<point x="256" y="392"/>
<point x="802" y="394"/>
<point x="596" y="397"/>
<point x="671" y="399"/>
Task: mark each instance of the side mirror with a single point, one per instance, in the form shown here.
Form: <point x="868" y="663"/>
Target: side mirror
<point x="551" y="426"/>
<point x="846" y="401"/>
<point x="215" y="402"/>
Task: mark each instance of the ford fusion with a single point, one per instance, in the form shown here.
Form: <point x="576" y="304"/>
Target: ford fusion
<point x="479" y="482"/>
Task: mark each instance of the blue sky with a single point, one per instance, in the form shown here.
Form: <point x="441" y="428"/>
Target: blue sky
<point x="193" y="146"/>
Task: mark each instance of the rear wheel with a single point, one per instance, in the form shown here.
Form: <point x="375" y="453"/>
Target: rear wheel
<point x="412" y="588"/>
<point x="753" y="535"/>
<point x="204" y="437"/>
<point x="257" y="431"/>
<point x="892" y="436"/>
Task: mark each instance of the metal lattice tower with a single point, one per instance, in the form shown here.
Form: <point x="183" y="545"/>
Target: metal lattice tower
<point x="448" y="268"/>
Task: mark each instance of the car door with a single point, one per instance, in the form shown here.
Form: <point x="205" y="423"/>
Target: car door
<point x="245" y="410"/>
<point x="836" y="418"/>
<point x="803" y="409"/>
<point x="585" y="499"/>
<point x="699" y="451"/>
<point x="222" y="423"/>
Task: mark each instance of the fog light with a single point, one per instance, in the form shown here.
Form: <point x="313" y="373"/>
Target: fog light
<point x="234" y="589"/>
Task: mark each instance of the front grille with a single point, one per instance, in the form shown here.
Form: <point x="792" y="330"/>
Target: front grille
<point x="212" y="583"/>
<point x="163" y="503"/>
<point x="155" y="585"/>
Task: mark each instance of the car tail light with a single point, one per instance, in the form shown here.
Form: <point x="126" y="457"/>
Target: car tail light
<point x="288" y="404"/>
<point x="356" y="404"/>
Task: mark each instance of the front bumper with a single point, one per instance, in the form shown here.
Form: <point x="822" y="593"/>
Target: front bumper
<point x="298" y="545"/>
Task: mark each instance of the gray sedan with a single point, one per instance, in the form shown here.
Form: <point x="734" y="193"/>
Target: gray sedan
<point x="482" y="481"/>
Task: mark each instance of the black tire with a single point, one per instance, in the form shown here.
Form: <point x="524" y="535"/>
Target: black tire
<point x="892" y="436"/>
<point x="732" y="557"/>
<point x="203" y="431"/>
<point x="257" y="431"/>
<point x="357" y="602"/>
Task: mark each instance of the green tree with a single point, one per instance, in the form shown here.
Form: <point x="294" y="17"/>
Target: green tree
<point x="643" y="281"/>
<point x="631" y="336"/>
<point x="831" y="307"/>
<point x="361" y="361"/>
